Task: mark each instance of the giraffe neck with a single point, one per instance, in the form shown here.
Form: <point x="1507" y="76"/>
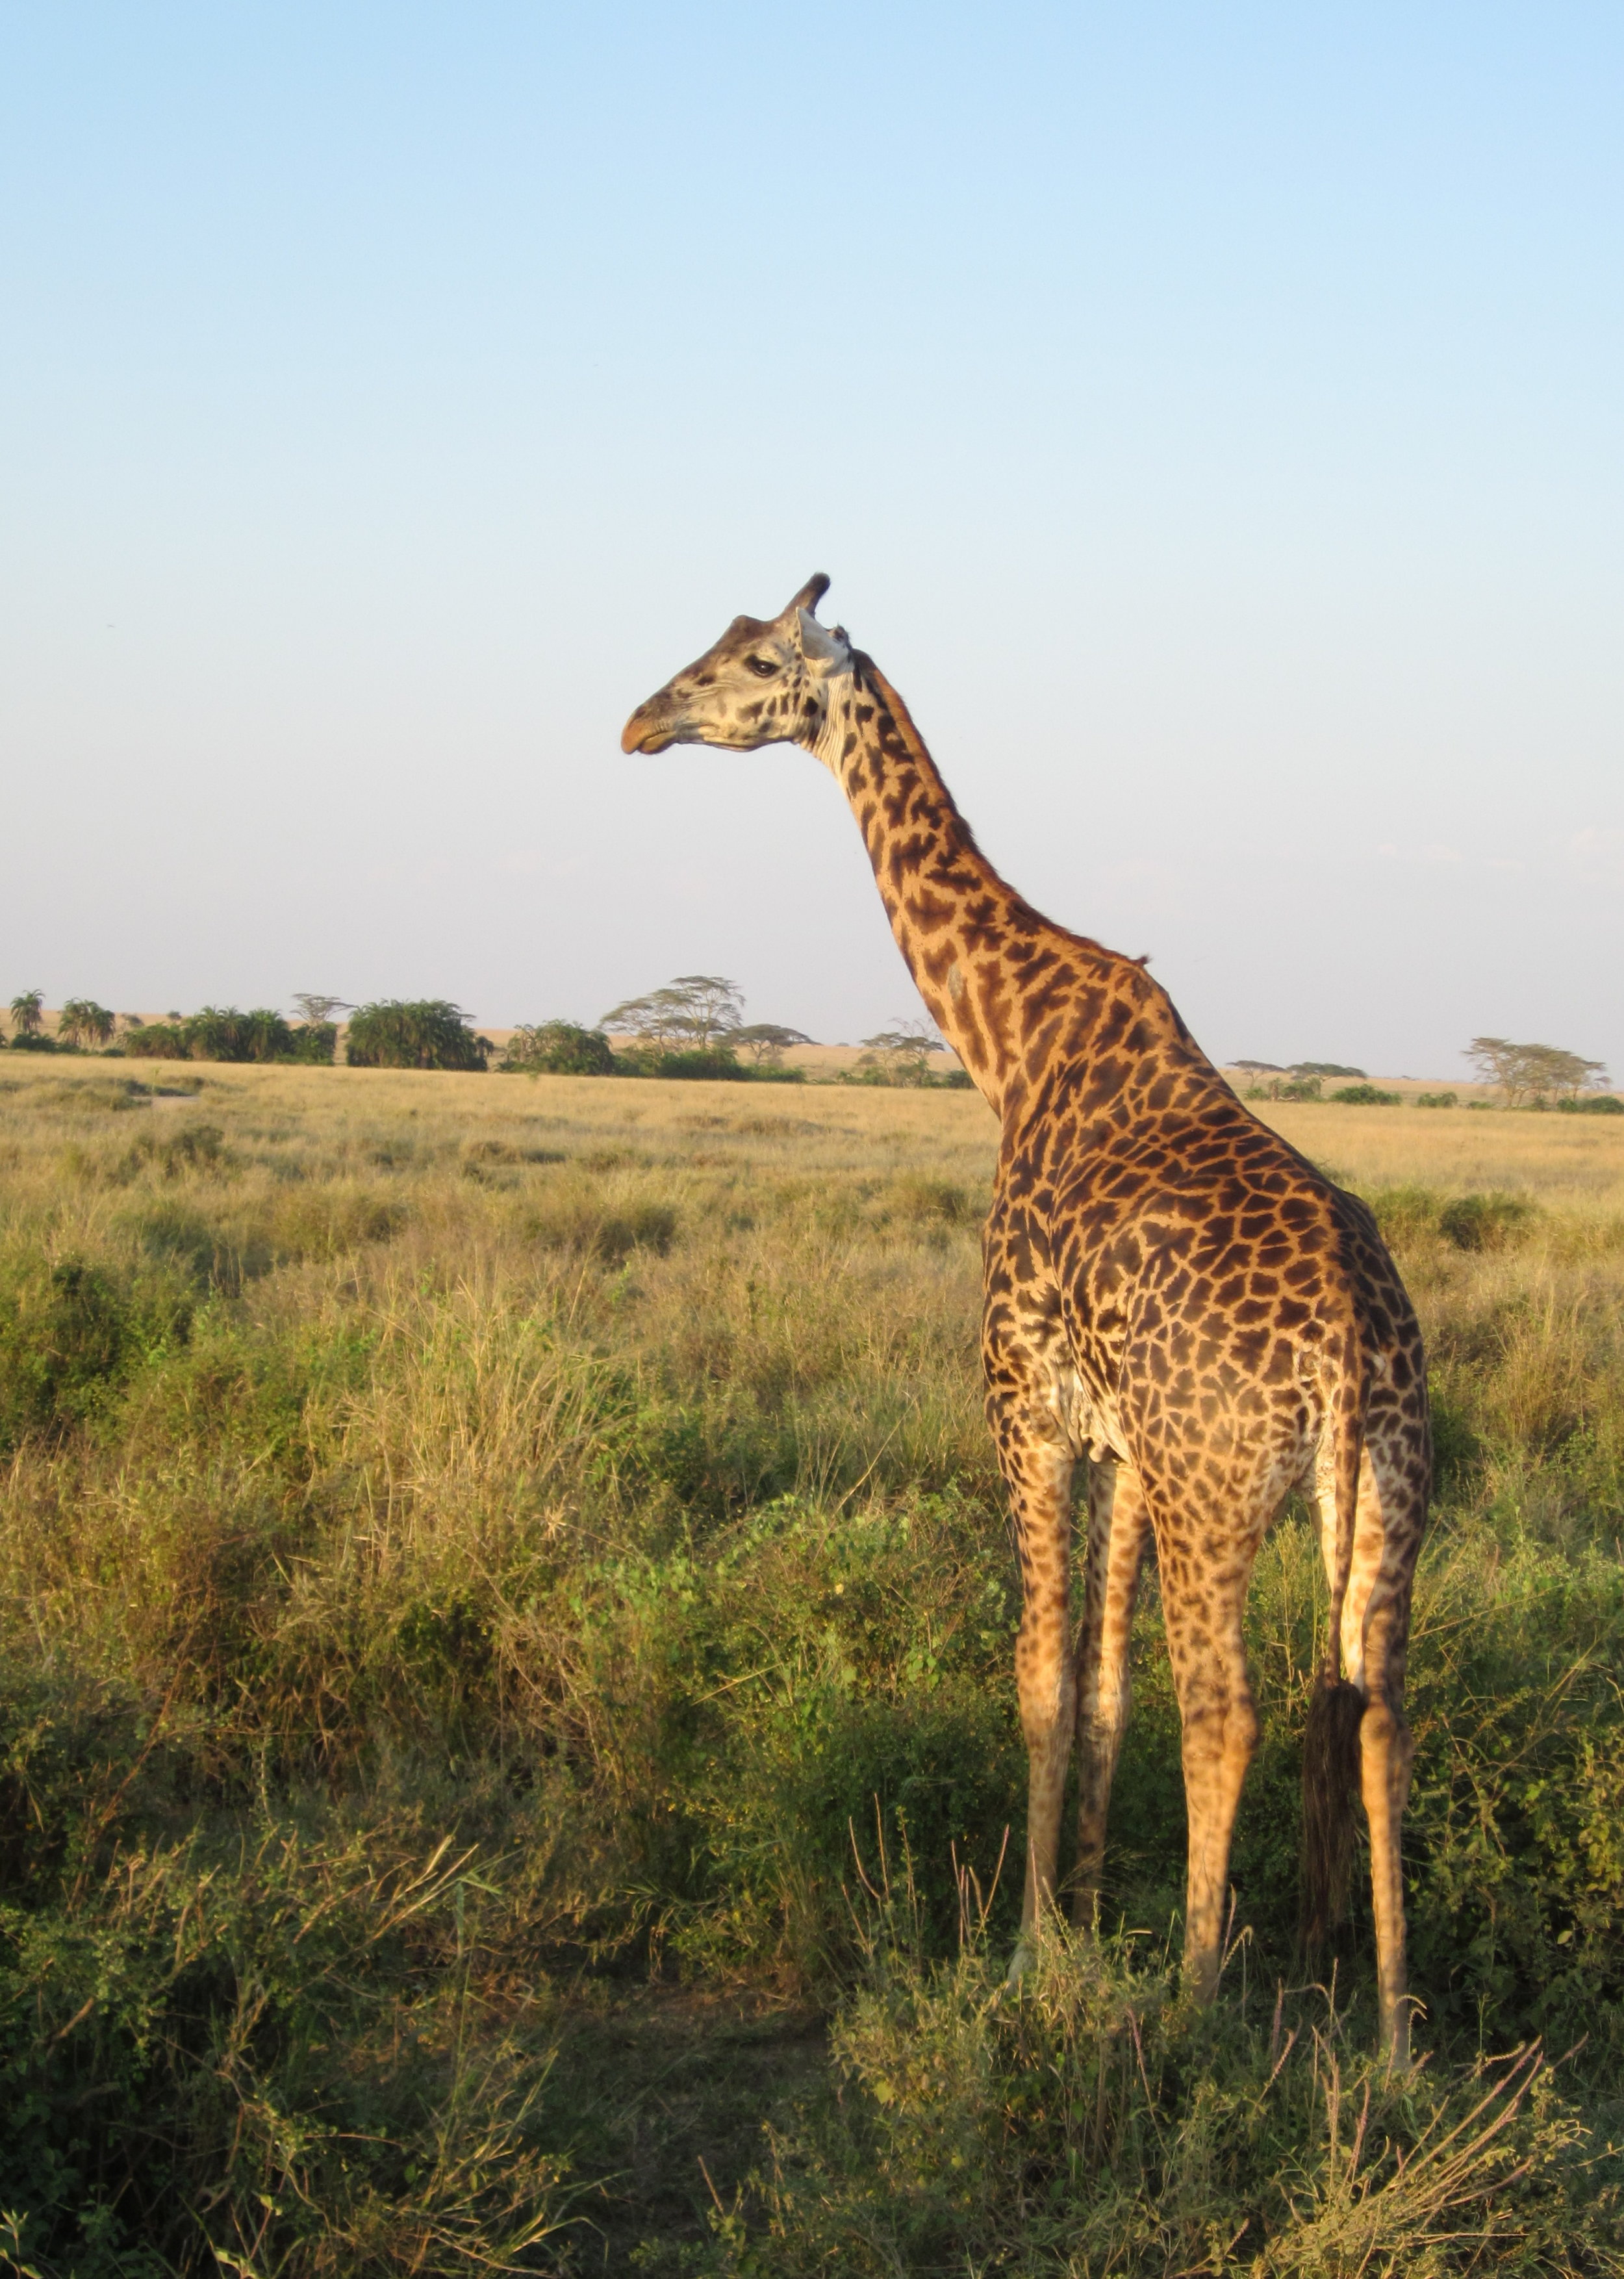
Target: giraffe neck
<point x="975" y="949"/>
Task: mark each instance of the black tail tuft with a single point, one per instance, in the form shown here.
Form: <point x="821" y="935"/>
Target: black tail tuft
<point x="1330" y="1781"/>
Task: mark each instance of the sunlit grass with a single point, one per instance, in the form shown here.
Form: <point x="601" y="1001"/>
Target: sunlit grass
<point x="568" y="1501"/>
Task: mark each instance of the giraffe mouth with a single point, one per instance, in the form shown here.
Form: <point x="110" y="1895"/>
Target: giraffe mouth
<point x="650" y="729"/>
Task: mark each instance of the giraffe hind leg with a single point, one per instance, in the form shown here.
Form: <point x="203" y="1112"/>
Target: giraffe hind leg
<point x="1374" y="1649"/>
<point x="1219" y="1733"/>
<point x="1118" y="1536"/>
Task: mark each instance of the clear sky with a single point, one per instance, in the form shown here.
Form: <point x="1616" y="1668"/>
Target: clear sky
<point x="1211" y="418"/>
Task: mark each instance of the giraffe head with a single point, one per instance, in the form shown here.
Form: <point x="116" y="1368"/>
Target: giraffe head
<point x="766" y="681"/>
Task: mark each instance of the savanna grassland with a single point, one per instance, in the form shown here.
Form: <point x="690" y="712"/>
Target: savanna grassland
<point x="507" y="1733"/>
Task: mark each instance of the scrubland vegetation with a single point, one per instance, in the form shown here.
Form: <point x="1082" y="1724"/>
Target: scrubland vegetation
<point x="507" y="1733"/>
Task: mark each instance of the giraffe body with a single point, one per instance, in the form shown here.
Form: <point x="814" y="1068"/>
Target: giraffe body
<point x="1172" y="1295"/>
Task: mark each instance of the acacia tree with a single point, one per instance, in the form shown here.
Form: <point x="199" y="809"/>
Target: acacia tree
<point x="903" y="1051"/>
<point x="1527" y="1073"/>
<point x="697" y="1012"/>
<point x="764" y="1043"/>
<point x="83" y="1022"/>
<point x="26" y="1012"/>
<point x="558" y="1049"/>
<point x="315" y="1010"/>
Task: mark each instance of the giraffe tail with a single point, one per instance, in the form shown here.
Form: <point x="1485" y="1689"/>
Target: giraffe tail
<point x="1330" y="1742"/>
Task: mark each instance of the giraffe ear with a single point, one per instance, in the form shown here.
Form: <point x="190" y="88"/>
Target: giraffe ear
<point x="818" y="645"/>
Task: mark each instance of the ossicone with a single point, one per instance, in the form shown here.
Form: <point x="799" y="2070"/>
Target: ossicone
<point x="810" y="595"/>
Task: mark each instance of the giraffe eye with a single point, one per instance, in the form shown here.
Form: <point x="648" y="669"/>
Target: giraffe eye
<point x="759" y="665"/>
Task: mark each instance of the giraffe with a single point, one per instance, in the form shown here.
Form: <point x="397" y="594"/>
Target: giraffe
<point x="1172" y="1294"/>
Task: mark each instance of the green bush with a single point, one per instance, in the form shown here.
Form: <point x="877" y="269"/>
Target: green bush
<point x="1405" y="1214"/>
<point x="1094" y="2122"/>
<point x="1437" y="1099"/>
<point x="427" y="1033"/>
<point x="559" y="1049"/>
<point x="1366" y="1096"/>
<point x="1594" y="1103"/>
<point x="222" y="1033"/>
<point x="1487" y="1222"/>
<point x="208" y="2058"/>
<point x="69" y="1335"/>
<point x="157" y="1040"/>
<point x="315" y="1042"/>
<point x="717" y="1064"/>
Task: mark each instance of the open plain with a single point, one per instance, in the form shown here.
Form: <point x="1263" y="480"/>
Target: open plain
<point x="509" y="1736"/>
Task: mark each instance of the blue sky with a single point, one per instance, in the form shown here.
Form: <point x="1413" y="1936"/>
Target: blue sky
<point x="1209" y="417"/>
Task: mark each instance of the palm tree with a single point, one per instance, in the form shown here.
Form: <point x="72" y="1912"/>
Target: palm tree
<point x="26" y="1011"/>
<point x="82" y="1021"/>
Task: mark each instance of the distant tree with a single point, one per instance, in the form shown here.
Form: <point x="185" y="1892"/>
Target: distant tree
<point x="157" y="1040"/>
<point x="901" y="1053"/>
<point x="1324" y="1068"/>
<point x="315" y="1009"/>
<point x="764" y="1043"/>
<point x="220" y="1032"/>
<point x="426" y="1032"/>
<point x="1529" y="1073"/>
<point x="558" y="1049"/>
<point x="27" y="1012"/>
<point x="694" y="1013"/>
<point x="83" y="1022"/>
<point x="315" y="1042"/>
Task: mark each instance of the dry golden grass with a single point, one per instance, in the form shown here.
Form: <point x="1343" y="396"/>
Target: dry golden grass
<point x="1563" y="1161"/>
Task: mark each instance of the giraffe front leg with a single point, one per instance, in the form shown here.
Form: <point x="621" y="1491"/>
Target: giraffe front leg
<point x="1119" y="1531"/>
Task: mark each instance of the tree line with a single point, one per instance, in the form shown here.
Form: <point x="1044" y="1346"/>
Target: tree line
<point x="391" y="1033"/>
<point x="1526" y="1075"/>
<point x="694" y="1026"/>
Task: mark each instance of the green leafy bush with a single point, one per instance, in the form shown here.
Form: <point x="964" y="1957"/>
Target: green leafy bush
<point x="1366" y="1096"/>
<point x="157" y="1040"/>
<point x="1592" y="1103"/>
<point x="69" y="1335"/>
<point x="426" y="1032"/>
<point x="1437" y="1099"/>
<point x="1092" y="2122"/>
<point x="315" y="1043"/>
<point x="717" y="1064"/>
<point x="222" y="1033"/>
<point x="559" y="1049"/>
<point x="1487" y="1222"/>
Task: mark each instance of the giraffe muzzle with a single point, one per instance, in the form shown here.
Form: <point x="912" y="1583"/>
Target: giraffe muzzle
<point x="651" y="727"/>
